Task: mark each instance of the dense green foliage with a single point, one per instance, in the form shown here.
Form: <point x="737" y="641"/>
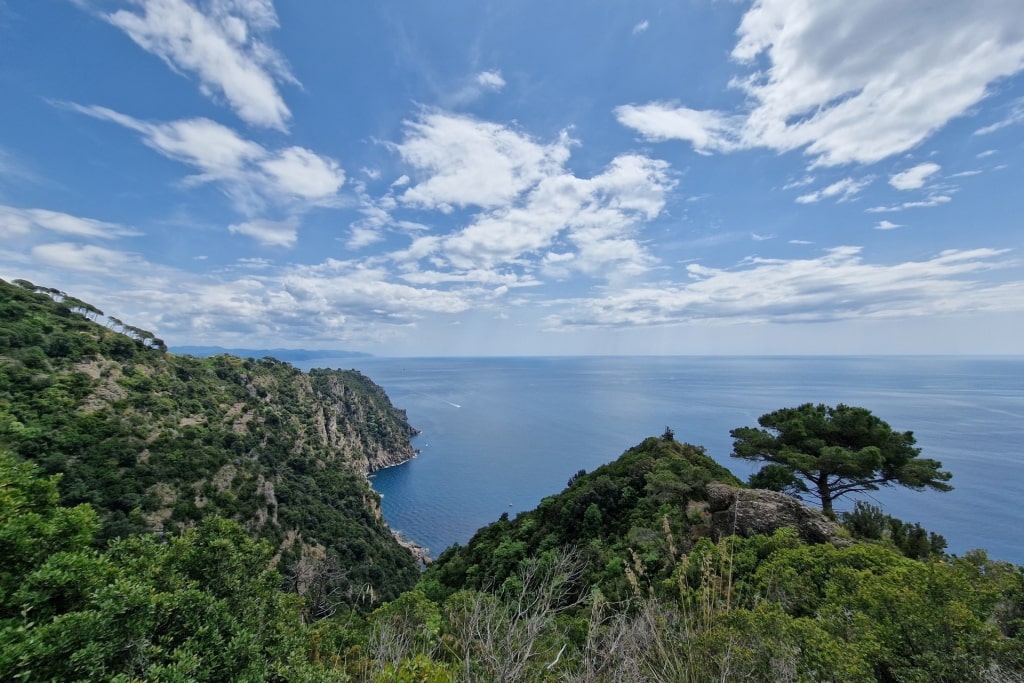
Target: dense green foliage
<point x="869" y="522"/>
<point x="651" y="596"/>
<point x="623" y="514"/>
<point x="204" y="605"/>
<point x="168" y="518"/>
<point x="832" y="452"/>
<point x="158" y="442"/>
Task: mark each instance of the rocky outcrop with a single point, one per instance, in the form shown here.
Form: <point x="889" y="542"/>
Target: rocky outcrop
<point x="354" y="417"/>
<point x="756" y="511"/>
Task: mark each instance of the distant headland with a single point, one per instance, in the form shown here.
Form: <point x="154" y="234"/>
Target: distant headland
<point x="279" y="354"/>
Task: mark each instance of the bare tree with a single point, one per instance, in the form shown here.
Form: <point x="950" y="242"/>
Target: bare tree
<point x="505" y="636"/>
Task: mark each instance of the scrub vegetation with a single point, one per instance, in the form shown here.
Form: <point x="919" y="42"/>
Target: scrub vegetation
<point x="170" y="518"/>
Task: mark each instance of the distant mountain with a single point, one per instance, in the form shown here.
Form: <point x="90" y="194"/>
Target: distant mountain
<point x="279" y="354"/>
<point x="156" y="442"/>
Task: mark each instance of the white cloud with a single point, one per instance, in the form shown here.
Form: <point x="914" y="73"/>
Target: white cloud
<point x="222" y="46"/>
<point x="15" y="221"/>
<point x="891" y="77"/>
<point x="320" y="304"/>
<point x="301" y="173"/>
<point x="803" y="182"/>
<point x="965" y="174"/>
<point x="659" y="121"/>
<point x="363" y="236"/>
<point x="835" y="286"/>
<point x="928" y="202"/>
<point x="255" y="263"/>
<point x="887" y="225"/>
<point x="845" y="189"/>
<point x="1015" y="116"/>
<point x="529" y="206"/>
<point x="253" y="176"/>
<point x="915" y="177"/>
<point x="986" y="153"/>
<point x="597" y="216"/>
<point x="800" y="242"/>
<point x="468" y="162"/>
<point x="491" y="80"/>
<point x="641" y="27"/>
<point x="473" y="88"/>
<point x="271" y="233"/>
<point x="85" y="258"/>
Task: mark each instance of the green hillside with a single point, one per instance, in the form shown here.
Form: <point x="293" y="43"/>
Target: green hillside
<point x="170" y="518"/>
<point x="652" y="496"/>
<point x="156" y="442"/>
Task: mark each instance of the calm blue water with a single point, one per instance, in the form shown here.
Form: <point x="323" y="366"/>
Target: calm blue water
<point x="499" y="434"/>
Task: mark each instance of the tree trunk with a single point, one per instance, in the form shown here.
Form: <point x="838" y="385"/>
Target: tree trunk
<point x="825" y="495"/>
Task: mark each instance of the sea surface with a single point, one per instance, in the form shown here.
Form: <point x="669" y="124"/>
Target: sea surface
<point x="499" y="434"/>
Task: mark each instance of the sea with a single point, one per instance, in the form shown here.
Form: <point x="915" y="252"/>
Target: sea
<point x="499" y="434"/>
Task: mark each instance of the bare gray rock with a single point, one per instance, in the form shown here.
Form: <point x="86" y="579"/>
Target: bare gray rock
<point x="756" y="511"/>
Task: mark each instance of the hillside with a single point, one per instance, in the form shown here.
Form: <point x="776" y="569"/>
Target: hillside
<point x="156" y="442"/>
<point x="158" y="513"/>
<point x="762" y="606"/>
<point x="660" y="566"/>
<point x="653" y="495"/>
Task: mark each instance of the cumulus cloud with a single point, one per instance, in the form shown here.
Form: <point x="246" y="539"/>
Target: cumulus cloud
<point x="640" y="27"/>
<point x="849" y="82"/>
<point x="298" y="172"/>
<point x="887" y="225"/>
<point x="845" y="189"/>
<point x="221" y="43"/>
<point x="914" y="178"/>
<point x="463" y="161"/>
<point x="15" y="222"/>
<point x="837" y="285"/>
<point x="528" y="206"/>
<point x="252" y="175"/>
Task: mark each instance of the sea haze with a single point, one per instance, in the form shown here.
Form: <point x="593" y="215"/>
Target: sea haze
<point x="499" y="434"/>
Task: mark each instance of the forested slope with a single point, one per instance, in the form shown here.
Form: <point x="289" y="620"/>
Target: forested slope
<point x="156" y="442"/>
<point x="621" y="518"/>
<point x="170" y="518"/>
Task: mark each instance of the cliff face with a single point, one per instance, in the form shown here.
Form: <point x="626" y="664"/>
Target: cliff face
<point x="356" y="418"/>
<point x="156" y="442"/>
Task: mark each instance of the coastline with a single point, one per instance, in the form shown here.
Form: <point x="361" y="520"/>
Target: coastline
<point x="421" y="553"/>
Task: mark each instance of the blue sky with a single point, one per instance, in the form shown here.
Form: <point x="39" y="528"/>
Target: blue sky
<point x="478" y="178"/>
